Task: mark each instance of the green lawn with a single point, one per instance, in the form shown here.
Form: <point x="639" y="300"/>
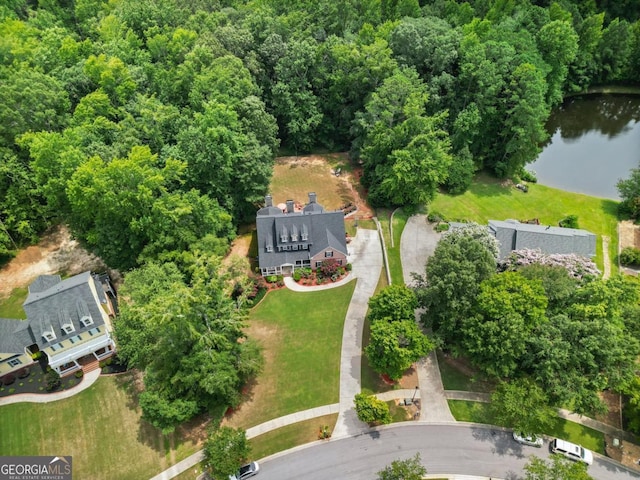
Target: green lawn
<point x="489" y="199"/>
<point x="301" y="334"/>
<point x="100" y="427"/>
<point x="11" y="307"/>
<point x="478" y="412"/>
<point x="393" y="252"/>
<point x="455" y="379"/>
<point x="290" y="436"/>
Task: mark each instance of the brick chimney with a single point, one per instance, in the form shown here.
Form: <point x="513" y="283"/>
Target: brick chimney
<point x="289" y="206"/>
<point x="268" y="201"/>
<point x="312" y="197"/>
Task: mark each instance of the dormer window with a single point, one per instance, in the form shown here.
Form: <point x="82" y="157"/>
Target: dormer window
<point x="68" y="328"/>
<point x="305" y="233"/>
<point x="49" y="336"/>
<point x="86" y="321"/>
<point x="294" y="234"/>
<point x="284" y="236"/>
<point x="269" y="248"/>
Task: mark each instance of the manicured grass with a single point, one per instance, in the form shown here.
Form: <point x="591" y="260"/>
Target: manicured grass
<point x="455" y="379"/>
<point x="301" y="334"/>
<point x="294" y="177"/>
<point x="398" y="413"/>
<point x="100" y="427"/>
<point x="393" y="248"/>
<point x="478" y="412"/>
<point x="11" y="307"/>
<point x="489" y="199"/>
<point x="290" y="436"/>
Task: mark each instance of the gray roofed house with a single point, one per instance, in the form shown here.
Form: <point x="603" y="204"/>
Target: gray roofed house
<point x="290" y="239"/>
<point x="513" y="235"/>
<point x="68" y="320"/>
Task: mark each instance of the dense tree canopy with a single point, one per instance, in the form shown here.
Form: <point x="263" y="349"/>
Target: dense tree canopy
<point x="423" y="93"/>
<point x="185" y="332"/>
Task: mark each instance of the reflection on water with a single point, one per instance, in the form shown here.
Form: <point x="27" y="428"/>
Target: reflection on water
<point x="594" y="141"/>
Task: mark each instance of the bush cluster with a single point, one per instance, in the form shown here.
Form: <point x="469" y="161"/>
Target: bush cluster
<point x="577" y="266"/>
<point x="630" y="256"/>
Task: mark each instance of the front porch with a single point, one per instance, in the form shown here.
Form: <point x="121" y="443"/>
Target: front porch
<point x="86" y="363"/>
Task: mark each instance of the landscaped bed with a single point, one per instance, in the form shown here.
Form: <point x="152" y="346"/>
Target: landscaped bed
<point x="34" y="381"/>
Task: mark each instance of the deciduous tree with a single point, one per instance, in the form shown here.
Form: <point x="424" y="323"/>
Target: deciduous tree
<point x="409" y="469"/>
<point x="225" y="450"/>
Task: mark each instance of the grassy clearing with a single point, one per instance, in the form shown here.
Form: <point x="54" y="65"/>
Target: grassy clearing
<point x="393" y="248"/>
<point x="477" y="412"/>
<point x="489" y="199"/>
<point x="96" y="426"/>
<point x="456" y="379"/>
<point x="290" y="436"/>
<point x="301" y="334"/>
<point x="295" y="177"/>
<point x="11" y="307"/>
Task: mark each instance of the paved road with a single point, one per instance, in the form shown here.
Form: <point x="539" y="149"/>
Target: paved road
<point x="460" y="449"/>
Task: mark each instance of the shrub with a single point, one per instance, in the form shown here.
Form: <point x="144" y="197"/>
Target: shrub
<point x="577" y="266"/>
<point x="349" y="267"/>
<point x="36" y="355"/>
<point x="372" y="410"/>
<point x="79" y="374"/>
<point x="8" y="379"/>
<point x="570" y="221"/>
<point x="435" y="217"/>
<point x="53" y="380"/>
<point x="327" y="268"/>
<point x="12" y="390"/>
<point x="272" y="279"/>
<point x="442" y="227"/>
<point x="527" y="176"/>
<point x="280" y="283"/>
<point x="297" y="275"/>
<point x="630" y="256"/>
<point x="24" y="373"/>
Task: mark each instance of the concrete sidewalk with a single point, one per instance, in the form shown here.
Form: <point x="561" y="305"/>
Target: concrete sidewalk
<point x="87" y="380"/>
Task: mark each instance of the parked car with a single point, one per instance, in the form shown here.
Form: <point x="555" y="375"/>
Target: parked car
<point x="528" y="439"/>
<point x="571" y="451"/>
<point x="246" y="471"/>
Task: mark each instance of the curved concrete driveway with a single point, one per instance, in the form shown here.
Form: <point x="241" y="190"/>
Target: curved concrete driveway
<point x="417" y="244"/>
<point x="365" y="254"/>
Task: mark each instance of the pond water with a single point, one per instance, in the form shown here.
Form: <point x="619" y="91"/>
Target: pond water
<point x="594" y="142"/>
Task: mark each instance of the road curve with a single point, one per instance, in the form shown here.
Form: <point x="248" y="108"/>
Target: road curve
<point x="462" y="449"/>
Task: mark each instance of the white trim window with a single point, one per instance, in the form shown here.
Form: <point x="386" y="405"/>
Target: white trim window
<point x="328" y="254"/>
<point x="68" y="328"/>
<point x="86" y="321"/>
<point x="49" y="336"/>
<point x="14" y="362"/>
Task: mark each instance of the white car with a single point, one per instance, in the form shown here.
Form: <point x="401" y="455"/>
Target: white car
<point x="572" y="451"/>
<point x="246" y="471"/>
<point x="528" y="439"/>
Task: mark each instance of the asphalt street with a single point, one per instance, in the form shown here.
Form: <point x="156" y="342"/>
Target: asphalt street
<point x="455" y="449"/>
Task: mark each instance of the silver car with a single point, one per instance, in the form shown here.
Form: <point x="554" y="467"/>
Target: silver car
<point x="528" y="439"/>
<point x="246" y="471"/>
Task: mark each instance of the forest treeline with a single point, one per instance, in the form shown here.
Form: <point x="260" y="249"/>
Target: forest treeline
<point x="151" y="127"/>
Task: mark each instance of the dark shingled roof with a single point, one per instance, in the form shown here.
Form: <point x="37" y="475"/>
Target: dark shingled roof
<point x="9" y="342"/>
<point x="66" y="301"/>
<point x="323" y="229"/>
<point x="513" y="235"/>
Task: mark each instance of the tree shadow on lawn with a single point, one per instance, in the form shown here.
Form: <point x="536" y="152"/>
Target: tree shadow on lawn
<point x="610" y="207"/>
<point x="484" y="185"/>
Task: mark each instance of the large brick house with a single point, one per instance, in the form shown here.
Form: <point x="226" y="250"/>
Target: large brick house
<point x="291" y="238"/>
<point x="67" y="320"/>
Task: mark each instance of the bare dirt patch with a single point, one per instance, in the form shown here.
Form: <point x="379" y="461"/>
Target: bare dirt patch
<point x="295" y="177"/>
<point x="629" y="234"/>
<point x="56" y="253"/>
